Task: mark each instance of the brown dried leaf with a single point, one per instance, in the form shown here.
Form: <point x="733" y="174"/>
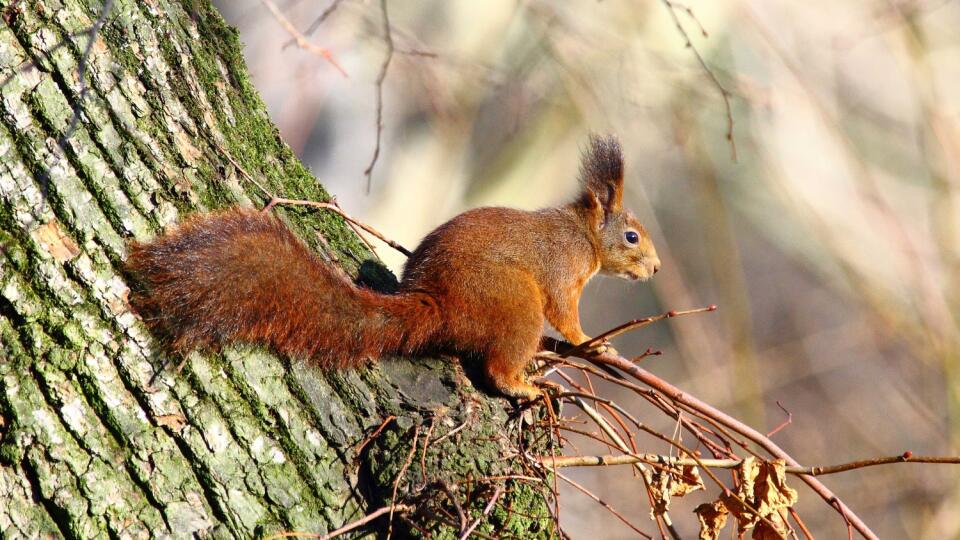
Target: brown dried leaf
<point x="712" y="517"/>
<point x="749" y="470"/>
<point x="689" y="481"/>
<point x="660" y="492"/>
<point x="667" y="483"/>
<point x="771" y="492"/>
<point x="747" y="473"/>
<point x="746" y="518"/>
<point x="763" y="531"/>
<point x="763" y="486"/>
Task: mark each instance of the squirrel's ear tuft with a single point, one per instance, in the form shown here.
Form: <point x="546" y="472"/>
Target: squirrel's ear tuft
<point x="595" y="214"/>
<point x="601" y="171"/>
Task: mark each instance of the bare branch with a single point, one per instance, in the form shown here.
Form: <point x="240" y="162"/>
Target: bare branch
<point x="634" y="324"/>
<point x="737" y="426"/>
<point x="655" y="459"/>
<point x="333" y="207"/>
<point x="392" y="509"/>
<point x="604" y="504"/>
<point x="372" y="436"/>
<point x="396" y="483"/>
<point x="299" y="38"/>
<point x="486" y="512"/>
<point x="783" y="424"/>
<point x="724" y="93"/>
<point x="317" y="22"/>
<point x="388" y="39"/>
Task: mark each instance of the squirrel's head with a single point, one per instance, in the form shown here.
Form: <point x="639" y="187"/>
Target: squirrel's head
<point x="625" y="247"/>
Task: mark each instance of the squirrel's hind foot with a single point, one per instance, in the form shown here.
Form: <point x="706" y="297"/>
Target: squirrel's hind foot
<point x="512" y="385"/>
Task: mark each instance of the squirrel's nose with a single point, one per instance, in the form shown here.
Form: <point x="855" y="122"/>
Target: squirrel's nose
<point x="656" y="268"/>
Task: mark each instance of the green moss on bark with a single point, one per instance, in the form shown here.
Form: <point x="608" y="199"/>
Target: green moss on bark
<point x="97" y="438"/>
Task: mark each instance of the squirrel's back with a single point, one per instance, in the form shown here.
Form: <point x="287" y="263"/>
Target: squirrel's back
<point x="241" y="275"/>
<point x="552" y="245"/>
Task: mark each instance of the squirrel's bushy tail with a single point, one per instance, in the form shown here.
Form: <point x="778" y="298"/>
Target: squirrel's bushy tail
<point x="243" y="276"/>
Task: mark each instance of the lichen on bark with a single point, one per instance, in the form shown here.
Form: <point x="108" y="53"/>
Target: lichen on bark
<point x="97" y="439"/>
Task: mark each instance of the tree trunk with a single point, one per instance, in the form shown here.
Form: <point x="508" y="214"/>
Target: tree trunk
<point x="97" y="438"/>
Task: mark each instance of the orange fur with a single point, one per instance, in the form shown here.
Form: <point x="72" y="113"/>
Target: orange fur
<point x="481" y="283"/>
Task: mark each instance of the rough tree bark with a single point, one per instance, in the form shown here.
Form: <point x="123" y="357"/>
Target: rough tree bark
<point x="96" y="438"/>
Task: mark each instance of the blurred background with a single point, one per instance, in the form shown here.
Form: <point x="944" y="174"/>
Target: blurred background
<point x="827" y="229"/>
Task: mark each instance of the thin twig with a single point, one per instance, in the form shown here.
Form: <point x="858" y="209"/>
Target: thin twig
<point x="388" y="39"/>
<point x="654" y="398"/>
<point x="451" y="433"/>
<point x="724" y="93"/>
<point x="417" y="52"/>
<point x="835" y="503"/>
<point x="317" y="22"/>
<point x="267" y="193"/>
<point x="275" y="200"/>
<point x="486" y="512"/>
<point x="693" y="16"/>
<point x="396" y="483"/>
<point x="732" y="423"/>
<point x="629" y="459"/>
<point x="906" y="457"/>
<point x="518" y="477"/>
<point x="803" y="526"/>
<point x="604" y="401"/>
<point x="426" y="446"/>
<point x="631" y="325"/>
<point x="611" y="410"/>
<point x="373" y="435"/>
<point x="554" y="426"/>
<point x="591" y="435"/>
<point x="783" y="424"/>
<point x="333" y="207"/>
<point x="299" y="38"/>
<point x="648" y="479"/>
<point x="604" y="504"/>
<point x="393" y="508"/>
<point x="456" y="504"/>
<point x="645" y="473"/>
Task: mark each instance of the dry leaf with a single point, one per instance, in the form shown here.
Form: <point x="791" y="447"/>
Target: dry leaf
<point x="771" y="492"/>
<point x="746" y="518"/>
<point x="763" y="531"/>
<point x="712" y="517"/>
<point x="667" y="483"/>
<point x="688" y="482"/>
<point x="749" y="469"/>
<point x="747" y="473"/>
<point x="762" y="486"/>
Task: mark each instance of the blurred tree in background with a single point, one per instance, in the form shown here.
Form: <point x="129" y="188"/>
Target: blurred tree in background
<point x="831" y="241"/>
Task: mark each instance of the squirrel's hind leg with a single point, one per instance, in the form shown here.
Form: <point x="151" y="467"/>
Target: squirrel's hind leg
<point x="506" y="375"/>
<point x="499" y="316"/>
<point x="507" y="359"/>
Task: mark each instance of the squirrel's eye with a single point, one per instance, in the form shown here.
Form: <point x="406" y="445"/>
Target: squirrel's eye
<point x="632" y="237"/>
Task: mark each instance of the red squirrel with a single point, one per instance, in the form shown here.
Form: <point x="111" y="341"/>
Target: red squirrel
<point x="481" y="283"/>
